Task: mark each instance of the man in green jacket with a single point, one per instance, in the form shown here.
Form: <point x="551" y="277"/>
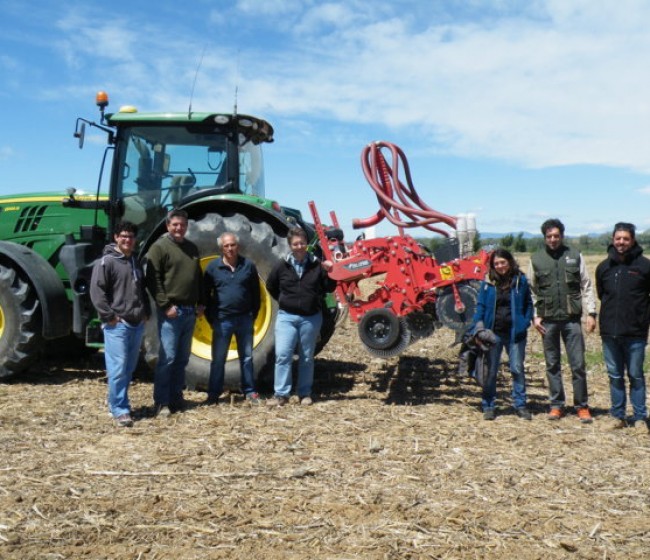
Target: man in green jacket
<point x="560" y="283"/>
<point x="175" y="280"/>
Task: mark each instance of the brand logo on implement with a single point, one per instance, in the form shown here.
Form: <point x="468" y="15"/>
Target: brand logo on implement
<point x="357" y="265"/>
<point x="446" y="273"/>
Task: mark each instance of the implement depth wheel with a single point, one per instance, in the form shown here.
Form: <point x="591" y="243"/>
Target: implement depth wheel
<point x="383" y="333"/>
<point x="446" y="309"/>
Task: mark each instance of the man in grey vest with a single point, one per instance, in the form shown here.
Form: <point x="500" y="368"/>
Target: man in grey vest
<point x="560" y="284"/>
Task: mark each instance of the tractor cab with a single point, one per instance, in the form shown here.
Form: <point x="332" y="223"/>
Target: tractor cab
<point x="166" y="160"/>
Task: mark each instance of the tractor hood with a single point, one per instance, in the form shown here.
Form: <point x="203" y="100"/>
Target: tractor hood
<point x="49" y="196"/>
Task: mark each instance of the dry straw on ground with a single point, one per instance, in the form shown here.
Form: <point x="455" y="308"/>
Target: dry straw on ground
<point x="393" y="461"/>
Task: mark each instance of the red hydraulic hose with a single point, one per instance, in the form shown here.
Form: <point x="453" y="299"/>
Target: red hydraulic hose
<point x="384" y="180"/>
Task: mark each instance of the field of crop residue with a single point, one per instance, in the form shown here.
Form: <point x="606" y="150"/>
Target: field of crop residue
<point x="393" y="461"/>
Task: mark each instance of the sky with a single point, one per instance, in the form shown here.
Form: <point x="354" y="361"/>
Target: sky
<point x="513" y="111"/>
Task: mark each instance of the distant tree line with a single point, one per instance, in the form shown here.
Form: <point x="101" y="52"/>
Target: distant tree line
<point x="587" y="244"/>
<point x="438" y="243"/>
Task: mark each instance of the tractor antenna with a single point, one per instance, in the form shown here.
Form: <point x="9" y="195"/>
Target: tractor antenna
<point x="236" y="82"/>
<point x="196" y="75"/>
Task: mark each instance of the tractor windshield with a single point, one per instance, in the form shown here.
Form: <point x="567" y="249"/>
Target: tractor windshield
<point x="158" y="166"/>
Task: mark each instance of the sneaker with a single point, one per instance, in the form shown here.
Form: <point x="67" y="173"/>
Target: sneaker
<point x="277" y="401"/>
<point x="124" y="421"/>
<point x="489" y="414"/>
<point x="555" y="414"/>
<point x="163" y="411"/>
<point x="523" y="413"/>
<point x="253" y="398"/>
<point x="641" y="426"/>
<point x="584" y="415"/>
<point x="613" y="423"/>
<point x="306" y="401"/>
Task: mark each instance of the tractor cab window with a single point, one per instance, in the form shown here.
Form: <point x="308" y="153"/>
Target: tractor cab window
<point x="159" y="166"/>
<point x="251" y="167"/>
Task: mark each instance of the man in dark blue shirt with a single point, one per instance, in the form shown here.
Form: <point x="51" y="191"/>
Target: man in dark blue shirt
<point x="233" y="295"/>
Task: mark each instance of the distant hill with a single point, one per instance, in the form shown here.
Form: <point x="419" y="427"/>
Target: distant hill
<point x="491" y="235"/>
<point x="528" y="235"/>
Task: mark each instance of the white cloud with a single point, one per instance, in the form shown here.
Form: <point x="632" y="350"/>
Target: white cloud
<point x="324" y="18"/>
<point x="550" y="83"/>
<point x="86" y="38"/>
<point x="644" y="190"/>
<point x="570" y="87"/>
<point x="269" y="7"/>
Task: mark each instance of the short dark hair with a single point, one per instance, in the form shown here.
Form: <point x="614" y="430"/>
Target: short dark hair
<point x="625" y="226"/>
<point x="296" y="232"/>
<point x="175" y="213"/>
<point x="127" y="226"/>
<point x="552" y="223"/>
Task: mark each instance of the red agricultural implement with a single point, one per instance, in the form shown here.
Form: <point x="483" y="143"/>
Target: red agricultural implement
<point x="417" y="290"/>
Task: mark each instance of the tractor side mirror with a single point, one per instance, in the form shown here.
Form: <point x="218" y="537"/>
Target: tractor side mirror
<point x="81" y="134"/>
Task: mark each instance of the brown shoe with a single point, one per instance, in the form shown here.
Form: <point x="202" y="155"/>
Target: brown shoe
<point x="584" y="415"/>
<point x="613" y="423"/>
<point x="124" y="421"/>
<point x="277" y="401"/>
<point x="555" y="414"/>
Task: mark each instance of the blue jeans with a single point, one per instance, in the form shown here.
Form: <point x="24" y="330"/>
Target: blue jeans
<point x="571" y="333"/>
<point x="291" y="331"/>
<point x="175" y="337"/>
<point x="222" y="330"/>
<point x="516" y="352"/>
<point x="121" y="351"/>
<point x="623" y="353"/>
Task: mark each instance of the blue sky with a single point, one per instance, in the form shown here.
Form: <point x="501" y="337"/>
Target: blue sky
<point x="515" y="111"/>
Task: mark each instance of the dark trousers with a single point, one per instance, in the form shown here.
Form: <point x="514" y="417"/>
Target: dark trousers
<point x="570" y="332"/>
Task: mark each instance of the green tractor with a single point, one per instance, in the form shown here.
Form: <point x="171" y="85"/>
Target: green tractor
<point x="209" y="164"/>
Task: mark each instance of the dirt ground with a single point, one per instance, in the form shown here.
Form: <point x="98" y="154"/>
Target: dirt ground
<point x="393" y="461"/>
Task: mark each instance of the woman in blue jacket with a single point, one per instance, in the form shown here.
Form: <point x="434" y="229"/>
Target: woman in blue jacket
<point x="505" y="306"/>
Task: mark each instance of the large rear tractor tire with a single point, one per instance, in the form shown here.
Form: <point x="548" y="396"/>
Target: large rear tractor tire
<point x="331" y="319"/>
<point x="20" y="323"/>
<point x="264" y="246"/>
